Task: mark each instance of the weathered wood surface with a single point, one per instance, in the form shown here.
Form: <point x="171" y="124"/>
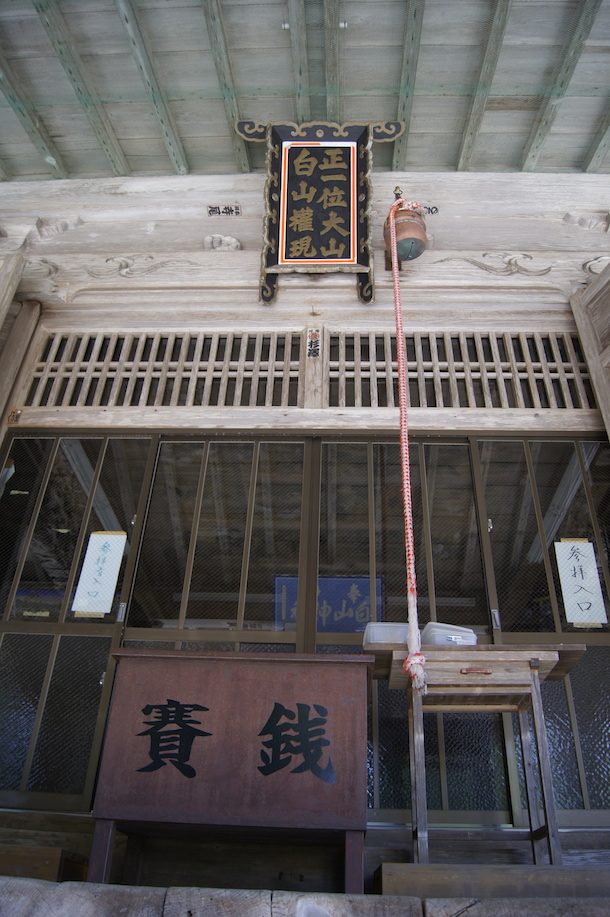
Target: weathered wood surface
<point x="15" y="349"/>
<point x="309" y="420"/>
<point x="567" y="654"/>
<point x="441" y="881"/>
<point x="484" y="665"/>
<point x="11" y="269"/>
<point x="365" y="77"/>
<point x="38" y="862"/>
<point x="477" y="211"/>
<point x="451" y="276"/>
<point x="591" y="308"/>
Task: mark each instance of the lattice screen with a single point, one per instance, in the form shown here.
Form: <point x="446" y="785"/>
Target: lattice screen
<point x="452" y="370"/>
<point x="172" y="369"/>
<point x="460" y="370"/>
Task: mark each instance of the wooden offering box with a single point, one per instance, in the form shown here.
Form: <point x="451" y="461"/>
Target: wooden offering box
<point x="228" y="739"/>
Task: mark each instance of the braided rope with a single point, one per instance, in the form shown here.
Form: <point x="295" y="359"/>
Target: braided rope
<point x="415" y="661"/>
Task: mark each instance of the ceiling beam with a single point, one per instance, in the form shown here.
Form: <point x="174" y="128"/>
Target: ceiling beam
<point x="486" y="75"/>
<point x="599" y="148"/>
<point x="331" y="57"/>
<point x="298" y="41"/>
<point x="157" y="97"/>
<point x="63" y="44"/>
<point x="570" y="57"/>
<point x="33" y="126"/>
<point x="220" y="54"/>
<point x="412" y="38"/>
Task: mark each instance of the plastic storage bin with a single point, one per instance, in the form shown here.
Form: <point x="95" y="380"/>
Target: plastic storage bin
<point x="436" y="634"/>
<point x="385" y="632"/>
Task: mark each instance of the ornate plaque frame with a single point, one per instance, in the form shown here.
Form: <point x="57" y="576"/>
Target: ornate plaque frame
<point x="317" y="198"/>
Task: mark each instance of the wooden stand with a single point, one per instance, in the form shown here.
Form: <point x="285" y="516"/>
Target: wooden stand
<point x="488" y="679"/>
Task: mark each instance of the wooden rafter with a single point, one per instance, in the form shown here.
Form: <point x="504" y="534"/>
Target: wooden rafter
<point x="33" y="126"/>
<point x="486" y="75"/>
<point x="63" y="44"/>
<point x="599" y="148"/>
<point x="298" y="41"/>
<point x="331" y="55"/>
<point x="570" y="57"/>
<point x="415" y="15"/>
<point x="139" y="50"/>
<point x="222" y="62"/>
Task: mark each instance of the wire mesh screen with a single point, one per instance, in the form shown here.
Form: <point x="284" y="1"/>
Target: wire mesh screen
<point x="62" y="752"/>
<point x="51" y="551"/>
<point x="113" y="510"/>
<point x="521" y="581"/>
<point x="390" y="537"/>
<point x="562" y="753"/>
<point x="23" y="663"/>
<point x="394" y="775"/>
<point x="461" y="597"/>
<point x="476" y="774"/>
<point x="20" y="482"/>
<point x="163" y="556"/>
<point x="591" y="686"/>
<point x="167" y="369"/>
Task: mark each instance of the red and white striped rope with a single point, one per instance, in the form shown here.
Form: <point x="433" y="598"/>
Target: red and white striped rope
<point x="415" y="661"/>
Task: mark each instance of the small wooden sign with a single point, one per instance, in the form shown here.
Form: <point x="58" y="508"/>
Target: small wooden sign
<point x="263" y="740"/>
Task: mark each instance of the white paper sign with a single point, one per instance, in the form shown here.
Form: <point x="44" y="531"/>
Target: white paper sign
<point x="580" y="586"/>
<point x="99" y="574"/>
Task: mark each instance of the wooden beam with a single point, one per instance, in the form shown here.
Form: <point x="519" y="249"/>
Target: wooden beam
<point x="486" y="75"/>
<point x="570" y="57"/>
<point x="222" y="62"/>
<point x="415" y="16"/>
<point x="331" y="55"/>
<point x="33" y="126"/>
<point x="141" y="55"/>
<point x="10" y="275"/>
<point x="599" y="148"/>
<point x="63" y="44"/>
<point x="298" y="42"/>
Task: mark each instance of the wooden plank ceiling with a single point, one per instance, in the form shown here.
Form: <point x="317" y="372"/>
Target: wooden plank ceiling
<point x="95" y="88"/>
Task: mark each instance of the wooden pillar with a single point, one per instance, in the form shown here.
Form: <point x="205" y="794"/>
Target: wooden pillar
<point x="100" y="858"/>
<point x="546" y="782"/>
<point x="11" y="269"/>
<point x="354" y="862"/>
<point x="12" y="356"/>
<point x="530" y="786"/>
<point x="419" y="810"/>
<point x="591" y="309"/>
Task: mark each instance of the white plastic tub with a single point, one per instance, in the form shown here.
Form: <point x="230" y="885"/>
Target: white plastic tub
<point x="436" y="634"/>
<point x="385" y="632"/>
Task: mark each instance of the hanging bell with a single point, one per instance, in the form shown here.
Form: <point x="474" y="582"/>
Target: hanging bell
<point x="411" y="235"/>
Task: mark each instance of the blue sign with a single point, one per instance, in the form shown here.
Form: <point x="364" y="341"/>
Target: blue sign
<point x="344" y="603"/>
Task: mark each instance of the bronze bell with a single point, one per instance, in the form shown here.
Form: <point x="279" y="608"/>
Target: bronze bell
<point x="411" y="236"/>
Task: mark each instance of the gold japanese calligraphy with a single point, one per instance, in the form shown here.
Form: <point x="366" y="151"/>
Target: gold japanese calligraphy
<point x="317" y="219"/>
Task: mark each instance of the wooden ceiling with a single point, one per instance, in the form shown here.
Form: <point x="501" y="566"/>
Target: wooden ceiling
<point x="95" y="88"/>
